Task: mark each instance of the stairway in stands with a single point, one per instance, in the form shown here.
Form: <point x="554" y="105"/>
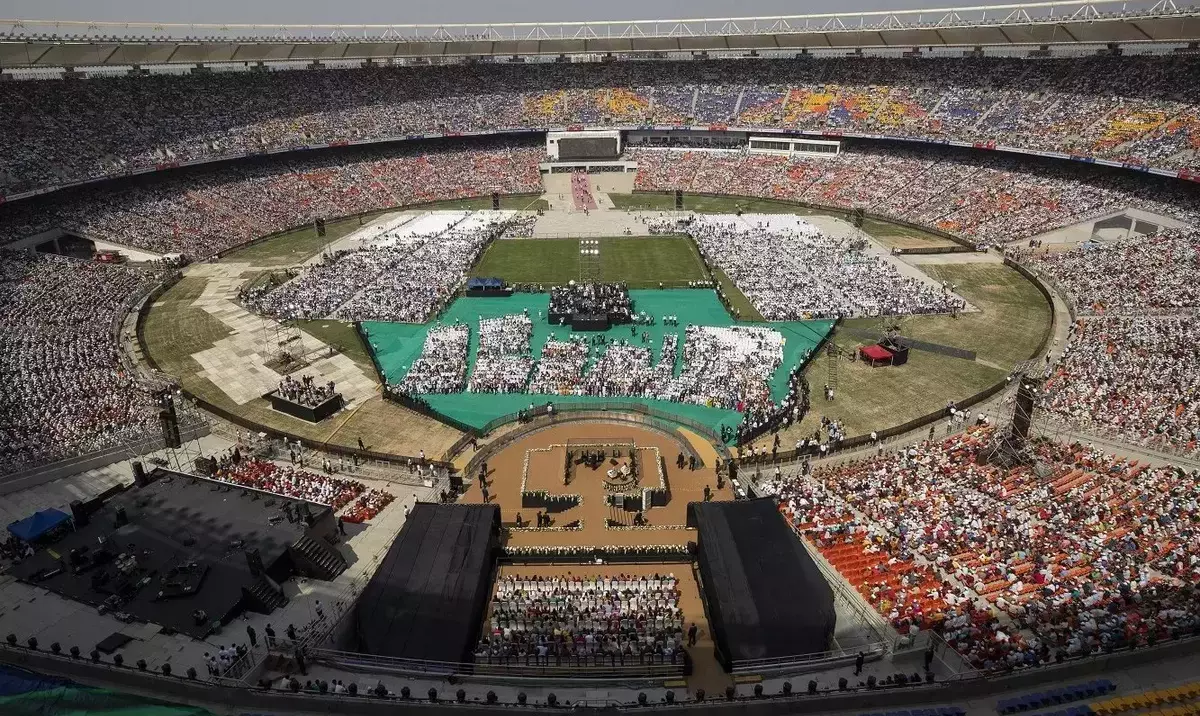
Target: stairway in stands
<point x="269" y="598"/>
<point x="318" y="558"/>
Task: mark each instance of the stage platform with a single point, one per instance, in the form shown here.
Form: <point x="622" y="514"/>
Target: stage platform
<point x="311" y="413"/>
<point x="176" y="546"/>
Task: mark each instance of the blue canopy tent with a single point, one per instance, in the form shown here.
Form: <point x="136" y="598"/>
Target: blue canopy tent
<point x="37" y="524"/>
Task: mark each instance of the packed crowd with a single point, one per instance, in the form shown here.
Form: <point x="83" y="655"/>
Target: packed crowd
<point x="1138" y="109"/>
<point x="1135" y="275"/>
<point x="576" y="616"/>
<point x="442" y="365"/>
<point x="406" y="280"/>
<point x="1101" y="551"/>
<point x="203" y="211"/>
<point x="291" y="482"/>
<point x="1130" y="363"/>
<point x="789" y="269"/>
<point x="610" y="299"/>
<point x="728" y="367"/>
<point x="1136" y="376"/>
<point x="366" y="507"/>
<point x="987" y="199"/>
<point x="503" y="361"/>
<point x="67" y="390"/>
<point x="306" y="391"/>
<point x="560" y="368"/>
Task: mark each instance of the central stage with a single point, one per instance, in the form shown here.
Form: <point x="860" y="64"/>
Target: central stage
<point x="397" y="345"/>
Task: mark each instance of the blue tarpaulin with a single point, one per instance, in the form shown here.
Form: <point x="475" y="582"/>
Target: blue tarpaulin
<point x="483" y="283"/>
<point x="38" y="524"/>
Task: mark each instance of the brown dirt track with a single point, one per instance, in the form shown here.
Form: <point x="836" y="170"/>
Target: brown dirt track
<point x="504" y="487"/>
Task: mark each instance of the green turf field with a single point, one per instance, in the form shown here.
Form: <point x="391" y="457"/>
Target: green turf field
<point x="343" y="337"/>
<point x="397" y="345"/>
<point x="641" y="261"/>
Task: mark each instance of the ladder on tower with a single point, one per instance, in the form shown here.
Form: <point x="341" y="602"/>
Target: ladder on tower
<point x="832" y="354"/>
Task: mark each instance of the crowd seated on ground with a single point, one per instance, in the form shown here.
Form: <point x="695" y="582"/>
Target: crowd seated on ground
<point x="211" y="209"/>
<point x="405" y="280"/>
<point x="442" y="365"/>
<point x="291" y="482"/>
<point x="67" y="390"/>
<point x="580" y="616"/>
<point x="503" y="362"/>
<point x="1136" y="109"/>
<point x="987" y="199"/>
<point x="305" y="391"/>
<point x="1016" y="566"/>
<point x="560" y="368"/>
<point x="789" y="269"/>
<point x="368" y="506"/>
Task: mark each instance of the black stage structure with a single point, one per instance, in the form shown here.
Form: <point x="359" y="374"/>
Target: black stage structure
<point x="311" y="413"/>
<point x="767" y="600"/>
<point x="186" y="552"/>
<point x="427" y="599"/>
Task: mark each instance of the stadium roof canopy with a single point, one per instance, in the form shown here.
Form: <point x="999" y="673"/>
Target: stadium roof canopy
<point x="49" y="43"/>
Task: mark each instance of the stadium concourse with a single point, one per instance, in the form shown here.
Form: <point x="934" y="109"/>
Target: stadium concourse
<point x="953" y="566"/>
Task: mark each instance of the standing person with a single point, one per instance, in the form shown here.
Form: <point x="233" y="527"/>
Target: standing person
<point x="693" y="630"/>
<point x="252" y="634"/>
<point x="858" y="663"/>
<point x="270" y="636"/>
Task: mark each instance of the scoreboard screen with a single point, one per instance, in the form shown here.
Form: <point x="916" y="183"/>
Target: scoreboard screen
<point x="590" y="148"/>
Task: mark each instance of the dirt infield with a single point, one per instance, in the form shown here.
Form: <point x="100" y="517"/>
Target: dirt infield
<point x="546" y="454"/>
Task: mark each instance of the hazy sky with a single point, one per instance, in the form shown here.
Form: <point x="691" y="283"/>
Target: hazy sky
<point x="423" y="11"/>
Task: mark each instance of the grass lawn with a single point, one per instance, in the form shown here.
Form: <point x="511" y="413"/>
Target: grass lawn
<point x="1012" y="319"/>
<point x="342" y="336"/>
<point x="175" y="329"/>
<point x="1011" y="322"/>
<point x="642" y="262"/>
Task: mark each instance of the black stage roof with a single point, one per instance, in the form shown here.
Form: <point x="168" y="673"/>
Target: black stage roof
<point x="426" y="601"/>
<point x="766" y="597"/>
<point x="174" y="520"/>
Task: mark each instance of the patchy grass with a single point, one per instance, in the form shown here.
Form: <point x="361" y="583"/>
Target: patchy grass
<point x="343" y="337"/>
<point x="175" y="329"/>
<point x="298" y="245"/>
<point x="1012" y="320"/>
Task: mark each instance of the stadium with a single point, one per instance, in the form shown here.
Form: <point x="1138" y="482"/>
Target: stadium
<point x="840" y="363"/>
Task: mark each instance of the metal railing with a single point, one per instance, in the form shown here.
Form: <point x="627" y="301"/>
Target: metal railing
<point x="590" y="666"/>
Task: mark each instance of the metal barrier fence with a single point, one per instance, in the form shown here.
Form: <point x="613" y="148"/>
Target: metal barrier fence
<point x="591" y="666"/>
<point x="969" y="686"/>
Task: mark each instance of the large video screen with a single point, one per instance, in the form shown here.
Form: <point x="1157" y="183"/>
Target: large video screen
<point x="594" y="148"/>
